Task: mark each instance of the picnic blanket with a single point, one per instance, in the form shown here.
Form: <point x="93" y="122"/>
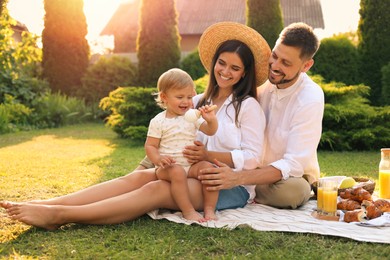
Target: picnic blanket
<point x="265" y="218"/>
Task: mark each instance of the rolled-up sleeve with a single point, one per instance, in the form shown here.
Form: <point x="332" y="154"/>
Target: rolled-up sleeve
<point x="294" y="125"/>
<point x="301" y="141"/>
<point x="251" y="125"/>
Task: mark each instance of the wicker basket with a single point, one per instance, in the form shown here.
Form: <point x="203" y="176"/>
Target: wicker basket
<point x="365" y="183"/>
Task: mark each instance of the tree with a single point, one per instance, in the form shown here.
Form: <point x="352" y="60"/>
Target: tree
<point x="19" y="64"/>
<point x="65" y="48"/>
<point x="386" y="82"/>
<point x="374" y="41"/>
<point x="3" y="5"/>
<point x="158" y="47"/>
<point x="265" y="16"/>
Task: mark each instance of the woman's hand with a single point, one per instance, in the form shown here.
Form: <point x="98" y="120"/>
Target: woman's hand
<point x="195" y="153"/>
<point x="221" y="177"/>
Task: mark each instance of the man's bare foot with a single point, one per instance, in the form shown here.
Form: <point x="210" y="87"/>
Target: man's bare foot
<point x="42" y="216"/>
<point x="193" y="215"/>
<point x="209" y="214"/>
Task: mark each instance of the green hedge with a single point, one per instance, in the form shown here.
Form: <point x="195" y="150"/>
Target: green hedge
<point x="192" y="65"/>
<point x="131" y="109"/>
<point x="106" y="75"/>
<point x="350" y="123"/>
<point x="337" y="60"/>
<point x="13" y="115"/>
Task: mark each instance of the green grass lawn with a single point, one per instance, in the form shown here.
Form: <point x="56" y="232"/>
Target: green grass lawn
<point x="46" y="163"/>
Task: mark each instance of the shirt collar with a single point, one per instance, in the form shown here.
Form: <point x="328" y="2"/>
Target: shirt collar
<point x="228" y="100"/>
<point x="282" y="93"/>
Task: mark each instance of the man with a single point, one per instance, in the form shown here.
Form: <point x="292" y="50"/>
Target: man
<point x="294" y="106"/>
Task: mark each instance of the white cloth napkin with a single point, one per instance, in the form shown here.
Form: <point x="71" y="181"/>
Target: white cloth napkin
<point x="382" y="221"/>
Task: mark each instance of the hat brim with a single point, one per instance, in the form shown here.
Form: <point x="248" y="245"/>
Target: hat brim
<point x="218" y="33"/>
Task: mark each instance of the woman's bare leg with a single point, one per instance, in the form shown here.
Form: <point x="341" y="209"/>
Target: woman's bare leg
<point x="113" y="210"/>
<point x="104" y="190"/>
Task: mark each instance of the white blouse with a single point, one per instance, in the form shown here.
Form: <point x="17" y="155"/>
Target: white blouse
<point x="245" y="141"/>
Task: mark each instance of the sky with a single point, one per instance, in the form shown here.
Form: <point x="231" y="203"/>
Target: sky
<point x="339" y="15"/>
<point x="31" y="13"/>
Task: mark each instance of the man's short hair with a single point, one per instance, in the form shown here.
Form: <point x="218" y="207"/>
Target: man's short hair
<point x="300" y="35"/>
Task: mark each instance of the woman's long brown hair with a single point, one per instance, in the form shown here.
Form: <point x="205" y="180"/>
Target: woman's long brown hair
<point x="244" y="88"/>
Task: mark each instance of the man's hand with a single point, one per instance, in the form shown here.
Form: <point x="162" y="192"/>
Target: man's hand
<point x="195" y="153"/>
<point x="221" y="177"/>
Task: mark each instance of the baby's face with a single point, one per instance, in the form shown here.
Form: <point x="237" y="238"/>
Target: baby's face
<point x="178" y="100"/>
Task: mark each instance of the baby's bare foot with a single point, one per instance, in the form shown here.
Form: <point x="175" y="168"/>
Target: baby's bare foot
<point x="35" y="215"/>
<point x="209" y="214"/>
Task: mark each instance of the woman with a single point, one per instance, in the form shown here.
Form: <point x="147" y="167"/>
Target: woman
<point x="236" y="57"/>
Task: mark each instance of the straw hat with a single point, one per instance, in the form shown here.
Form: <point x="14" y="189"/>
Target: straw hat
<point x="218" y="33"/>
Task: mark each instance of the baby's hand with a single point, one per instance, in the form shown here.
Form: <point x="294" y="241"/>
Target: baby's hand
<point x="208" y="112"/>
<point x="166" y="161"/>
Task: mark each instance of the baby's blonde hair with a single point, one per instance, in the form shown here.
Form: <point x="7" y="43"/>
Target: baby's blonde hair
<point x="172" y="79"/>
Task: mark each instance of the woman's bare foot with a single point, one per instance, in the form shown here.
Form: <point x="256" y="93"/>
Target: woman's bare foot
<point x="40" y="202"/>
<point x="5" y="204"/>
<point x="42" y="216"/>
<point x="209" y="214"/>
<point x="193" y="215"/>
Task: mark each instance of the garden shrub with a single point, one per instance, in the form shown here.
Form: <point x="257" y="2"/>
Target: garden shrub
<point x="24" y="89"/>
<point x="4" y="119"/>
<point x="106" y="75"/>
<point x="201" y="84"/>
<point x="337" y="60"/>
<point x="349" y="122"/>
<point x="193" y="66"/>
<point x="13" y="115"/>
<point x="136" y="133"/>
<point x="56" y="110"/>
<point x="131" y="109"/>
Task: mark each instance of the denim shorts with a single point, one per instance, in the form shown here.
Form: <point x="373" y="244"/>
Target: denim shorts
<point x="236" y="197"/>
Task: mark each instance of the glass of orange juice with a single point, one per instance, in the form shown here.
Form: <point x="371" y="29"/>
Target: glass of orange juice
<point x="329" y="197"/>
<point x="384" y="184"/>
<point x="320" y="196"/>
<point x="384" y="174"/>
